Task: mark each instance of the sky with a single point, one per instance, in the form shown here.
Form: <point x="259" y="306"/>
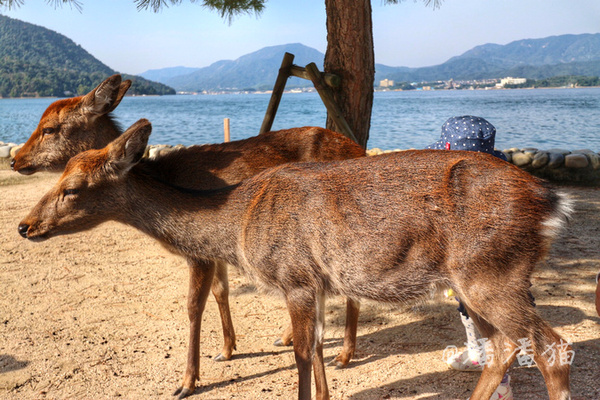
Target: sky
<point x="406" y="34"/>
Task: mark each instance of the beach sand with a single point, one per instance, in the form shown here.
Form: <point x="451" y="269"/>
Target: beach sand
<point x="102" y="314"/>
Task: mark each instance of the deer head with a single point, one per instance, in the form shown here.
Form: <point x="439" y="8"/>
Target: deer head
<point x="89" y="190"/>
<point x="70" y="126"/>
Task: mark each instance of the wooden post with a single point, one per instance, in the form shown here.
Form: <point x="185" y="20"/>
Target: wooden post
<point x="226" y="128"/>
<point x="284" y="73"/>
<point x="330" y="104"/>
<point x="331" y="80"/>
<point x="321" y="81"/>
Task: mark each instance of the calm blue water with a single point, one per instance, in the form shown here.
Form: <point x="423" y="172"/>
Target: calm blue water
<point x="541" y="118"/>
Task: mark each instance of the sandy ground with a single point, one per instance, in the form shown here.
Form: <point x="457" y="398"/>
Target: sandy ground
<point x="102" y="314"/>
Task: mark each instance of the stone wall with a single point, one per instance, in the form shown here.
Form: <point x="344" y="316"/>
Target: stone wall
<point x="580" y="167"/>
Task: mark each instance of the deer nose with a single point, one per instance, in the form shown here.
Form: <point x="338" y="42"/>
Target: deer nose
<point x="23" y="230"/>
<point x="12" y="164"/>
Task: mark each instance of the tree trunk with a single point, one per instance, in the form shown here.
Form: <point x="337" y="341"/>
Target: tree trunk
<point x="350" y="55"/>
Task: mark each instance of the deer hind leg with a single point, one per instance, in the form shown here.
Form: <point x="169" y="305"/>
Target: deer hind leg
<point x="512" y="325"/>
<point x="553" y="358"/>
<point x="497" y="353"/>
<point x="286" y="338"/>
<point x="343" y="359"/>
<point x="201" y="277"/>
<point x="220" y="289"/>
<point x="352" y="311"/>
<point x="308" y="316"/>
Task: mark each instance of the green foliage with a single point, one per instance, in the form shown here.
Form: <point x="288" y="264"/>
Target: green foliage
<point x="38" y="62"/>
<point x="528" y="84"/>
<point x="566" y="81"/>
<point x="404" y="86"/>
<point x="558" y="81"/>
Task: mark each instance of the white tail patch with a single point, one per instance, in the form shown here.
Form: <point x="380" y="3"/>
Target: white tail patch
<point x="554" y="224"/>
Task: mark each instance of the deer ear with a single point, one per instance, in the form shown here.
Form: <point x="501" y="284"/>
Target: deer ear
<point x="123" y="88"/>
<point x="105" y="97"/>
<point x="129" y="148"/>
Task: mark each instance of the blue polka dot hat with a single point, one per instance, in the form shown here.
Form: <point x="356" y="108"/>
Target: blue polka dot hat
<point x="468" y="133"/>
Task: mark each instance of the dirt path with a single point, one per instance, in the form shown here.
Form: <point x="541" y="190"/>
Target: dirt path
<point x="103" y="315"/>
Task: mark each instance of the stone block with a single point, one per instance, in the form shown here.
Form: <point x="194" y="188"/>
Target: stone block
<point x="540" y="159"/>
<point x="15" y="150"/>
<point x="5" y="151"/>
<point x="555" y="160"/>
<point x="594" y="160"/>
<point x="521" y="159"/>
<point x="576" y="161"/>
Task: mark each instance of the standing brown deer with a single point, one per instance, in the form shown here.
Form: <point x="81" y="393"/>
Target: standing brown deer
<point x="389" y="228"/>
<point x="71" y="126"/>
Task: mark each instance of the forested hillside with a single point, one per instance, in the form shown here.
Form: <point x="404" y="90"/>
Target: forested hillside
<point x="35" y="61"/>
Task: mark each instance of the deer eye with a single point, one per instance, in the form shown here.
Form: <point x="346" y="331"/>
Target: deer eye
<point x="70" y="192"/>
<point x="48" y="131"/>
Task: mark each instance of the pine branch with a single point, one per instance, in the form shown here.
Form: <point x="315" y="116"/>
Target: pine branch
<point x="227" y="8"/>
<point x="434" y="3"/>
<point x="12" y="4"/>
<point x="59" y="3"/>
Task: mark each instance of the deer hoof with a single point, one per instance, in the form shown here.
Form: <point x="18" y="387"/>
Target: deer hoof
<point x="280" y="343"/>
<point x="221" y="357"/>
<point x="182" y="392"/>
<point x="335" y="363"/>
<point x="338" y="363"/>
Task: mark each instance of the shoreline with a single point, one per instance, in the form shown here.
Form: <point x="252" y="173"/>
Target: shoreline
<point x="292" y="90"/>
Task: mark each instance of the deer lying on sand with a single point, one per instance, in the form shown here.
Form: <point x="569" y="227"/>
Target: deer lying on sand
<point x="71" y="126"/>
<point x="390" y="228"/>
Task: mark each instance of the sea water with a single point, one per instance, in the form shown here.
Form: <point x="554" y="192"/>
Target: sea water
<point x="539" y="118"/>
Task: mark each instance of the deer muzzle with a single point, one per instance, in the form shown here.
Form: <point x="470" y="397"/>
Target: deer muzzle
<point x="23" y="228"/>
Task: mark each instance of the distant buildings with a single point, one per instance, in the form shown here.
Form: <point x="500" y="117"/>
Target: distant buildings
<point x="492" y="83"/>
<point x="511" y="81"/>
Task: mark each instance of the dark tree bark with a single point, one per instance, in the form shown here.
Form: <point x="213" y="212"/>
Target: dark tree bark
<point x="350" y="55"/>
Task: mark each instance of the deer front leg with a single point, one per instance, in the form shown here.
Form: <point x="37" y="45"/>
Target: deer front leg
<point x="318" y="362"/>
<point x="306" y="311"/>
<point x="343" y="359"/>
<point x="201" y="278"/>
<point x="220" y="289"/>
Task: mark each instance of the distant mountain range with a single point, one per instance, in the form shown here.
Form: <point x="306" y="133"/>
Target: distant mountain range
<point x="256" y="70"/>
<point x="35" y="61"/>
<point x="529" y="58"/>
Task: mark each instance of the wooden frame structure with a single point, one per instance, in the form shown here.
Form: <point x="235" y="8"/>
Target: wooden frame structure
<point x="323" y="83"/>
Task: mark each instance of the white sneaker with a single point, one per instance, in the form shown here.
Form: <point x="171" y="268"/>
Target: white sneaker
<point x="504" y="391"/>
<point x="462" y="362"/>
